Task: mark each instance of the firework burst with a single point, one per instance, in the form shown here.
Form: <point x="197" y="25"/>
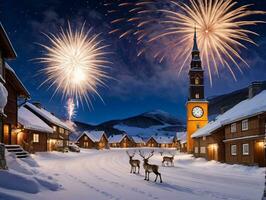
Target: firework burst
<point x="222" y="28"/>
<point x="75" y="64"/>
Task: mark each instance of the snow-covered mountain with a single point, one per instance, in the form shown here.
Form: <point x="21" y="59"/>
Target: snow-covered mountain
<point x="156" y="122"/>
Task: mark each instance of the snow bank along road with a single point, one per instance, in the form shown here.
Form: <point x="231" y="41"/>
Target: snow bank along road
<point x="104" y="175"/>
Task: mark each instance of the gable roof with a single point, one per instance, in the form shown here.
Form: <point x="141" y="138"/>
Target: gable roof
<point x="244" y="109"/>
<point x="137" y="139"/>
<point x="17" y="82"/>
<point x="95" y="136"/>
<point x="116" y="138"/>
<point x="31" y="121"/>
<point x="182" y="137"/>
<point x="47" y="115"/>
<point x="8" y="50"/>
<point x="163" y="139"/>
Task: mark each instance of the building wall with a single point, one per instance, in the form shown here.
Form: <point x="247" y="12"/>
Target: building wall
<point x="86" y="142"/>
<point x="125" y="143"/>
<point x="25" y="139"/>
<point x="211" y="147"/>
<point x="256" y="156"/>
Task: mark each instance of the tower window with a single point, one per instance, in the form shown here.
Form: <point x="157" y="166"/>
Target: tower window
<point x="197" y="80"/>
<point x="197" y="96"/>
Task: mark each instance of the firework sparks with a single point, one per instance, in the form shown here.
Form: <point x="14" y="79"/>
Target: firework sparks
<point x="75" y="64"/>
<point x="222" y="28"/>
<point x="70" y="108"/>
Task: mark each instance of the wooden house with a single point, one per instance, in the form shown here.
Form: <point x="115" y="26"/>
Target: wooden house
<point x="151" y="142"/>
<point x="237" y="136"/>
<point x="60" y="137"/>
<point x="93" y="140"/>
<point x="15" y="90"/>
<point x="138" y="141"/>
<point x="180" y="141"/>
<point x="34" y="132"/>
<point x="120" y="141"/>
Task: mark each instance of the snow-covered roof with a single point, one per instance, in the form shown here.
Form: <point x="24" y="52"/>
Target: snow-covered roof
<point x="3" y="98"/>
<point x="182" y="137"/>
<point x="242" y="110"/>
<point x="163" y="139"/>
<point x="116" y="138"/>
<point x="95" y="136"/>
<point x="32" y="122"/>
<point x="24" y="89"/>
<point x="137" y="139"/>
<point x="48" y="116"/>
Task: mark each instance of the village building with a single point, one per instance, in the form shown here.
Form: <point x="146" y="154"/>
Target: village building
<point x="10" y="84"/>
<point x="59" y="139"/>
<point x="138" y="141"/>
<point x="151" y="142"/>
<point x="34" y="132"/>
<point x="93" y="140"/>
<point x="120" y="141"/>
<point x="161" y="142"/>
<point x="180" y="141"/>
<point x="237" y="136"/>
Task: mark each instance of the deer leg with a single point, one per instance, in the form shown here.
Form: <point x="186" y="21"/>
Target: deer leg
<point x="148" y="176"/>
<point x="160" y="177"/>
<point x="131" y="170"/>
<point x="145" y="175"/>
<point x="156" y="177"/>
<point x="138" y="169"/>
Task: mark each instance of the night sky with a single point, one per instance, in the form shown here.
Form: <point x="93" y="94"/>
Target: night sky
<point x="141" y="84"/>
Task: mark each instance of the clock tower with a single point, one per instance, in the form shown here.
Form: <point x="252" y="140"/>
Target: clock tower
<point x="197" y="106"/>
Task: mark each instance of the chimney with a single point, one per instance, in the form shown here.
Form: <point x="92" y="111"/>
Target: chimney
<point x="254" y="89"/>
<point x="37" y="104"/>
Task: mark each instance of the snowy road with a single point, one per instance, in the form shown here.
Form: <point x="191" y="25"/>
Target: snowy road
<point x="103" y="175"/>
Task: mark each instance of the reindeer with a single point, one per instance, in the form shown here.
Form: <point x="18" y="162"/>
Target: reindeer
<point x="150" y="168"/>
<point x="168" y="159"/>
<point x="134" y="163"/>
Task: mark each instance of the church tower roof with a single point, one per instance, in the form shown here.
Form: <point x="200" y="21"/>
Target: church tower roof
<point x="195" y="46"/>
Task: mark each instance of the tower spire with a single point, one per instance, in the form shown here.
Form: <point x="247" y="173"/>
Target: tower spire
<point x="195" y="46"/>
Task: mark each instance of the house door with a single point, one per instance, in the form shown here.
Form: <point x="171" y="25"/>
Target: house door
<point x="213" y="152"/>
<point x="7" y="134"/>
<point x="259" y="157"/>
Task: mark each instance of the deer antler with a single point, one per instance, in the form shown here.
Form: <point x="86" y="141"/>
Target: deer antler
<point x="151" y="154"/>
<point x="140" y="153"/>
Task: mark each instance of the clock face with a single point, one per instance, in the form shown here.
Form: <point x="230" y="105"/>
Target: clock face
<point x="197" y="112"/>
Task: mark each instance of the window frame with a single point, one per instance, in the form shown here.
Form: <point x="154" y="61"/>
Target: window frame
<point x="36" y="138"/>
<point x="233" y="128"/>
<point x="231" y="149"/>
<point x="243" y="149"/>
<point x="196" y="149"/>
<point x="244" y="125"/>
<point x="203" y="152"/>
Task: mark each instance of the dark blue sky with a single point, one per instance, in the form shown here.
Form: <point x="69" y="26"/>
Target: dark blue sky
<point x="141" y="83"/>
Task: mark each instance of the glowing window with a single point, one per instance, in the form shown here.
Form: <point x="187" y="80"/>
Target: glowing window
<point x="197" y="96"/>
<point x="36" y="138"/>
<point x="197" y="81"/>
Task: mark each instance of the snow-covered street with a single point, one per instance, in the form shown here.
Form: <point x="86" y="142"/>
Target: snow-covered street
<point x="105" y="175"/>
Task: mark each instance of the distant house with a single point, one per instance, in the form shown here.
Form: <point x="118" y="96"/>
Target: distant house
<point x="165" y="141"/>
<point x="60" y="136"/>
<point x="121" y="141"/>
<point x="236" y="136"/>
<point x="161" y="141"/>
<point x="180" y="140"/>
<point x="151" y="142"/>
<point x="93" y="140"/>
<point x="34" y="132"/>
<point x="138" y="141"/>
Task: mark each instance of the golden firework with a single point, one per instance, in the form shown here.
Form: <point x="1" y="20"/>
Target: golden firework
<point x="75" y="63"/>
<point x="223" y="28"/>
